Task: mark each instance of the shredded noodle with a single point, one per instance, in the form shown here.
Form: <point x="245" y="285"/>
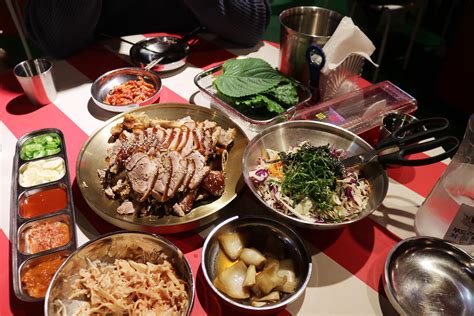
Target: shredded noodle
<point x="127" y="287"/>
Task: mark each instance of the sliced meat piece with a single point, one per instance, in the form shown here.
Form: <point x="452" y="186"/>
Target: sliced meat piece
<point x="178" y="168"/>
<point x="209" y="124"/>
<point x="176" y="139"/>
<point x="183" y="139"/>
<point x="102" y="173"/>
<point x="216" y="132"/>
<point x="226" y="137"/>
<point x="120" y="185"/>
<point x="153" y="137"/>
<point x="190" y="124"/>
<point x="189" y="145"/>
<point x="126" y="208"/>
<point x="207" y="143"/>
<point x="109" y="192"/>
<point x="200" y="169"/>
<point x="159" y="135"/>
<point x="198" y="176"/>
<point x="114" y="151"/>
<point x="139" y="135"/>
<point x="133" y="160"/>
<point x="143" y="175"/>
<point x="184" y="205"/>
<point x="169" y="133"/>
<point x="160" y="187"/>
<point x="214" y="183"/>
<point x="188" y="176"/>
<point x="198" y="134"/>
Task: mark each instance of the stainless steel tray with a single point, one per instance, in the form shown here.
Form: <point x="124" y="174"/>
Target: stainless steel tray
<point x="204" y="81"/>
<point x="23" y="259"/>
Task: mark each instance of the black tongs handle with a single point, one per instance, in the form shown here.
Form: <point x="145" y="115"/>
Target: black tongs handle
<point x="418" y="137"/>
<point x="449" y="143"/>
<point x="415" y="132"/>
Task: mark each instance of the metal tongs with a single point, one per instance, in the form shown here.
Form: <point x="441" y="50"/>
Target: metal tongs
<point x="414" y="138"/>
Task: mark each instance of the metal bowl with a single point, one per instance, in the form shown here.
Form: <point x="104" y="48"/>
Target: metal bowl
<point x="113" y="78"/>
<point x="107" y="248"/>
<point x="177" y="59"/>
<point x="265" y="235"/>
<point x="284" y="135"/>
<point x="428" y="276"/>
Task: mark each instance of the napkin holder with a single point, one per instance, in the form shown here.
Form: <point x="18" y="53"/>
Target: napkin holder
<point x="342" y="79"/>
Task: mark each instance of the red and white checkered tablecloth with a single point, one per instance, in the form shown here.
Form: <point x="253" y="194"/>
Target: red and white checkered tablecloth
<point x="347" y="263"/>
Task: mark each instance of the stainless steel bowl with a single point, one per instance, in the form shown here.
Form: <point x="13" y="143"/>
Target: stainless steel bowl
<point x="107" y="248"/>
<point x="265" y="234"/>
<point x="177" y="59"/>
<point x="113" y="78"/>
<point x="428" y="276"/>
<point x="281" y="136"/>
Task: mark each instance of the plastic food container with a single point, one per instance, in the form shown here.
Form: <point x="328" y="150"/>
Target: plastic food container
<point x="361" y="111"/>
<point x="255" y="123"/>
<point x="42" y="223"/>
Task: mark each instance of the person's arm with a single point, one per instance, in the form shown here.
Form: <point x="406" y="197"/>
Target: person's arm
<point x="61" y="27"/>
<point x="239" y="21"/>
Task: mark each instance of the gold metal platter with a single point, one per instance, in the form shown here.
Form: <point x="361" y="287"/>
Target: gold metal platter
<point x="92" y="157"/>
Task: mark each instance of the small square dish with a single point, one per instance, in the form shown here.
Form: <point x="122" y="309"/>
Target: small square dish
<point x="255" y="121"/>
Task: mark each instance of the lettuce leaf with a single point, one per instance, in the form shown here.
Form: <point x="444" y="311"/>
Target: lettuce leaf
<point x="260" y="100"/>
<point x="285" y="93"/>
<point x="245" y="77"/>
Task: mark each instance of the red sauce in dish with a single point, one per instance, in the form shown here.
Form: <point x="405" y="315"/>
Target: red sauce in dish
<point x="43" y="202"/>
<point x="36" y="279"/>
<point x="130" y="92"/>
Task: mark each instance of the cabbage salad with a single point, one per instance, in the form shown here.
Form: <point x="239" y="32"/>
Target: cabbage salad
<point x="311" y="183"/>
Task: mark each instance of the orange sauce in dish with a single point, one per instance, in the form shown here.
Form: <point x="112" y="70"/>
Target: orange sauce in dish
<point x="43" y="202"/>
<point x="47" y="235"/>
<point x="36" y="279"/>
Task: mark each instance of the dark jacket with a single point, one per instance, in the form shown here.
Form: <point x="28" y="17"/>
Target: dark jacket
<point x="61" y="27"/>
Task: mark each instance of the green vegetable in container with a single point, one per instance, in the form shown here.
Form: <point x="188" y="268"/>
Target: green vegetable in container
<point x="41" y="146"/>
<point x="252" y="84"/>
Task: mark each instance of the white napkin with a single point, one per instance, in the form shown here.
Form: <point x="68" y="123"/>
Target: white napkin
<point x="347" y="39"/>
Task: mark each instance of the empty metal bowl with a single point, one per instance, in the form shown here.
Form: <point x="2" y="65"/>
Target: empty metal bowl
<point x="174" y="60"/>
<point x="428" y="276"/>
<point x="114" y="78"/>
<point x="142" y="247"/>
<point x="266" y="235"/>
<point x="282" y="136"/>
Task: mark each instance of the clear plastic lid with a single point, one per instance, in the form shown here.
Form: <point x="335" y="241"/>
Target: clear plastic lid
<point x="360" y="110"/>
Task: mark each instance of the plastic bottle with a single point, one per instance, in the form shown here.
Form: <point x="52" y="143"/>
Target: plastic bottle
<point x="448" y="211"/>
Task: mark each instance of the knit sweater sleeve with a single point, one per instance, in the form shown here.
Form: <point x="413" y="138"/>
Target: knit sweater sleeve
<point x="60" y="28"/>
<point x="239" y="21"/>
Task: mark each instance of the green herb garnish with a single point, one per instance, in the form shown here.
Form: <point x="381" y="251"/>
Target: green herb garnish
<point x="41" y="146"/>
<point x="252" y="84"/>
<point x="311" y="172"/>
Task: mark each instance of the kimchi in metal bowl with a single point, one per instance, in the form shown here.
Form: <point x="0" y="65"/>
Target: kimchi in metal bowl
<point x="110" y="82"/>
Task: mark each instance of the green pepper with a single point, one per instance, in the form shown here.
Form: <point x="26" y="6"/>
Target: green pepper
<point x="40" y="146"/>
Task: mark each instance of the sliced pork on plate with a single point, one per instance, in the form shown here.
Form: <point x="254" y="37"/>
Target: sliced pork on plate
<point x="161" y="167"/>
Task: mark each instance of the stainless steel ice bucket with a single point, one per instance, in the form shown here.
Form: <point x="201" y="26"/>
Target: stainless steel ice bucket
<point x="299" y="28"/>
